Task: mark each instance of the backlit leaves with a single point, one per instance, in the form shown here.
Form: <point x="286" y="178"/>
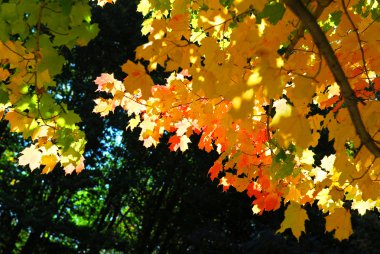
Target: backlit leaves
<point x="255" y="88"/>
<point x="32" y="36"/>
<point x="245" y="76"/>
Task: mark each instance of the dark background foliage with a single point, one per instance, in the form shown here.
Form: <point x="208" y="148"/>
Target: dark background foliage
<point x="136" y="200"/>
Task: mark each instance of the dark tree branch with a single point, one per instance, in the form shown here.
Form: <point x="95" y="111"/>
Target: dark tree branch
<point x="299" y="32"/>
<point x="326" y="50"/>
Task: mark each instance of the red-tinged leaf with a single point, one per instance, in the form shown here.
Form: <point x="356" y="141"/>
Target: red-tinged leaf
<point x="262" y="136"/>
<point x="260" y="202"/>
<point x="179" y="142"/>
<point x="357" y="71"/>
<point x="79" y="168"/>
<point x="205" y="142"/>
<point x="244" y="162"/>
<point x="103" y="80"/>
<point x="329" y="102"/>
<point x="272" y="202"/>
<point x="226" y="182"/>
<point x="241" y="183"/>
<point x="253" y="190"/>
<point x="107" y="83"/>
<point x="337" y="106"/>
<point x="264" y="182"/>
<point x="376" y="85"/>
<point x="174" y="141"/>
<point x="360" y="85"/>
<point x="215" y="169"/>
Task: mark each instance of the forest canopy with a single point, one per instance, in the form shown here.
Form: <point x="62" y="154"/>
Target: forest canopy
<point x="261" y="83"/>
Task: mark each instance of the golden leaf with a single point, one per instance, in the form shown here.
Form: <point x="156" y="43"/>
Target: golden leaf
<point x="295" y="217"/>
<point x="340" y="221"/>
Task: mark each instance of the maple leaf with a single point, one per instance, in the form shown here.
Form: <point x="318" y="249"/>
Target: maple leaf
<point x="182" y="127"/>
<point x="49" y="161"/>
<point x="69" y="169"/>
<point x="340" y="221"/>
<point x="295" y="217"/>
<point x="107" y="83"/>
<point x="20" y="122"/>
<point x="327" y="162"/>
<point x="363" y="206"/>
<point x="103" y="106"/>
<point x="179" y="142"/>
<point x="215" y="169"/>
<point x="137" y="78"/>
<point x="80" y="166"/>
<point x="294" y="126"/>
<point x="294" y="194"/>
<point x="272" y="202"/>
<point x="134" y="122"/>
<point x="30" y="156"/>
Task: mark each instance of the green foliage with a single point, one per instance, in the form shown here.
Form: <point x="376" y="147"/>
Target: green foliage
<point x="273" y="12"/>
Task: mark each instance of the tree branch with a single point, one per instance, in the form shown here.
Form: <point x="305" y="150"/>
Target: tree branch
<point x="299" y="32"/>
<point x="327" y="52"/>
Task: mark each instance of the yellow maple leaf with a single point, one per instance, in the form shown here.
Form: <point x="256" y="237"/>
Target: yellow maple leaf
<point x="103" y="106"/>
<point x="301" y="92"/>
<point x="134" y="122"/>
<point x="294" y="194"/>
<point x="295" y="217"/>
<point x="363" y="206"/>
<point x="137" y="78"/>
<point x="293" y="126"/>
<point x="17" y="121"/>
<point x="340" y="221"/>
<point x="49" y="160"/>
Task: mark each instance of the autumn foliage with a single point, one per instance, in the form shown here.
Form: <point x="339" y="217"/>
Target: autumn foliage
<point x="258" y="81"/>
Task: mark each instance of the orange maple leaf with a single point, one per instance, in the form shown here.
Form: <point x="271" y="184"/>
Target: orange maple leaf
<point x="215" y="169"/>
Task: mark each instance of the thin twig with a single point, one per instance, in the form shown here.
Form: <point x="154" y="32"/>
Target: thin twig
<point x="299" y="32"/>
<point x="355" y="29"/>
<point x="336" y="69"/>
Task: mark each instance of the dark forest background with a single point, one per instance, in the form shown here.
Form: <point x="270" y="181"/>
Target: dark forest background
<point x="136" y="200"/>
